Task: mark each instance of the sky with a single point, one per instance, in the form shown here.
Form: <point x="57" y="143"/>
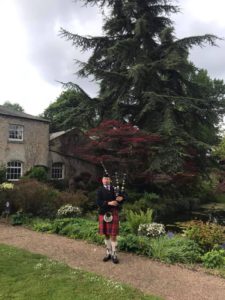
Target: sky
<point x="34" y="59"/>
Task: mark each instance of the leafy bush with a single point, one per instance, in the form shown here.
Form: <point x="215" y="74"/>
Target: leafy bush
<point x="125" y="229"/>
<point x="43" y="226"/>
<point x="2" y="173"/>
<point x="75" y="228"/>
<point x="34" y="197"/>
<point x="133" y="243"/>
<point x="61" y="184"/>
<point x="70" y="230"/>
<point x="176" y="249"/>
<point x="58" y="224"/>
<point x="78" y="199"/>
<point x="214" y="259"/>
<point x="134" y="219"/>
<point x="151" y="230"/>
<point x="3" y="199"/>
<point x="38" y="172"/>
<point x="91" y="204"/>
<point x="143" y="203"/>
<point x="133" y="195"/>
<point x="42" y="200"/>
<point x="220" y="197"/>
<point x="19" y="218"/>
<point x="207" y="235"/>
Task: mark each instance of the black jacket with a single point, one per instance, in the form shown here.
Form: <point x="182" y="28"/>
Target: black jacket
<point x="103" y="197"/>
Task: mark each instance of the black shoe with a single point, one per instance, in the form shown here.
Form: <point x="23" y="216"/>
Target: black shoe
<point x="115" y="260"/>
<point x="107" y="258"/>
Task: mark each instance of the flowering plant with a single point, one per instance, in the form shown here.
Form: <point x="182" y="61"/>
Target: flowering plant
<point x="6" y="186"/>
<point x="69" y="211"/>
<point x="151" y="230"/>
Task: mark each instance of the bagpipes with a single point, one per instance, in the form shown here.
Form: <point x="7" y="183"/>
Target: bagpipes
<point x="118" y="188"/>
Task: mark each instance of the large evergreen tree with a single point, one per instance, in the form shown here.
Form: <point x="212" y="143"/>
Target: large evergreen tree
<point x="145" y="77"/>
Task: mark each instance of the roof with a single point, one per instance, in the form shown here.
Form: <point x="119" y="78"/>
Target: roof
<point x="54" y="135"/>
<point x="17" y="114"/>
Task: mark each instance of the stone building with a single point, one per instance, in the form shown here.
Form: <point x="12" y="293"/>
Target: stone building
<point x="63" y="162"/>
<point x="24" y="142"/>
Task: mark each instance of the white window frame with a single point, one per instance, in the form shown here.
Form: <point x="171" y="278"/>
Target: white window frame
<point x="57" y="167"/>
<point x="18" y="165"/>
<point x="17" y="131"/>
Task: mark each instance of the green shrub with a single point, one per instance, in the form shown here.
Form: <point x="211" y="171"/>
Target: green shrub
<point x="176" y="249"/>
<point x="19" y="218"/>
<point x="2" y="173"/>
<point x="78" y="199"/>
<point x="58" y="224"/>
<point x="207" y="235"/>
<point x="135" y="244"/>
<point x="214" y="259"/>
<point x="143" y="202"/>
<point x="61" y="184"/>
<point x="134" y="219"/>
<point x="125" y="229"/>
<point x="70" y="230"/>
<point x="220" y="197"/>
<point x="133" y="196"/>
<point x="75" y="228"/>
<point x="41" y="199"/>
<point x="3" y="200"/>
<point x="34" y="197"/>
<point x="38" y="172"/>
<point x="43" y="226"/>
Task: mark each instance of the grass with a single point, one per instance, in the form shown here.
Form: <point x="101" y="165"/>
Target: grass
<point x="24" y="276"/>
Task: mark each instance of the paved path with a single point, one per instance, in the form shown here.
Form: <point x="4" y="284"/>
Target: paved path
<point x="169" y="281"/>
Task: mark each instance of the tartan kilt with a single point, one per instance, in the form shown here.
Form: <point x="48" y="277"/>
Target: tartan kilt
<point x="111" y="228"/>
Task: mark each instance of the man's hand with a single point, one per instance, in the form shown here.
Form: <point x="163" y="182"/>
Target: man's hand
<point x="113" y="203"/>
<point x="119" y="198"/>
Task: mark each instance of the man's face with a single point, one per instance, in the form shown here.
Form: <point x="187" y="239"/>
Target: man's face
<point x="106" y="180"/>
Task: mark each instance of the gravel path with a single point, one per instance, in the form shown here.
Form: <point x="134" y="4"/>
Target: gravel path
<point x="169" y="281"/>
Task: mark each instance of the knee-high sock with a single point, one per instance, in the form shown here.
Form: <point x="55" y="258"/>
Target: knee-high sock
<point x="114" y="245"/>
<point x="108" y="246"/>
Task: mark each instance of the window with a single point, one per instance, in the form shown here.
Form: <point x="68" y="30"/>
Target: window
<point x="14" y="170"/>
<point x="57" y="171"/>
<point x="15" y="132"/>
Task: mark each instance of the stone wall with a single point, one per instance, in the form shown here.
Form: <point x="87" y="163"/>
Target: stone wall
<point x="62" y="149"/>
<point x="33" y="150"/>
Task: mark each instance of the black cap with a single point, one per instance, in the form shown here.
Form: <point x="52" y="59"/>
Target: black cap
<point x="105" y="175"/>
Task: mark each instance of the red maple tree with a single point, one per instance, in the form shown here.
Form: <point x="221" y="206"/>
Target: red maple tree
<point x="121" y="147"/>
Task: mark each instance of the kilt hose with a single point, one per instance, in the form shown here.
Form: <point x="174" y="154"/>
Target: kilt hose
<point x="110" y="228"/>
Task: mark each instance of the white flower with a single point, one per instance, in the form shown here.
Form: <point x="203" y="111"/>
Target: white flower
<point x="151" y="230"/>
<point x="38" y="266"/>
<point x="68" y="210"/>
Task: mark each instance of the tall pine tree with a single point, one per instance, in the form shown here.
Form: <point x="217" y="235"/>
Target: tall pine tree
<point x="145" y="77"/>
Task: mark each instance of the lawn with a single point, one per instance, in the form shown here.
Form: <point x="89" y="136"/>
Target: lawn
<point x="24" y="275"/>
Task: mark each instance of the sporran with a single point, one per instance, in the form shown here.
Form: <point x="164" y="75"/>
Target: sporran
<point x="108" y="217"/>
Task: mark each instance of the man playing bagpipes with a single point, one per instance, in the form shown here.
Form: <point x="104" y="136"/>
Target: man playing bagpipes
<point x="109" y="200"/>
